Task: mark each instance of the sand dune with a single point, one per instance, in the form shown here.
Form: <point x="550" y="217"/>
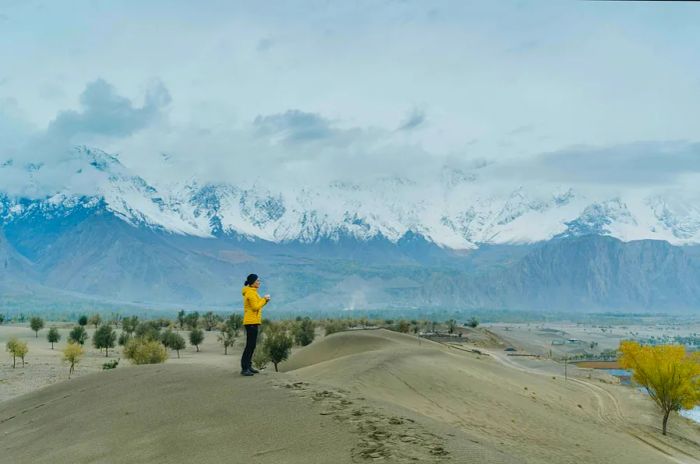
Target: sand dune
<point x="361" y="396"/>
<point x="169" y="413"/>
<point x="537" y="418"/>
<point x="206" y="414"/>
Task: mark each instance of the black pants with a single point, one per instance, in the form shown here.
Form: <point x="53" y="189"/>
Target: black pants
<point x="251" y="338"/>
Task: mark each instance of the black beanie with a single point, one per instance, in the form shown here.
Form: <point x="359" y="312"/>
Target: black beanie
<point x="250" y="279"/>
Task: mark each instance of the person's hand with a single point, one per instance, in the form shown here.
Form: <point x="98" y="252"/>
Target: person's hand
<point x="267" y="297"/>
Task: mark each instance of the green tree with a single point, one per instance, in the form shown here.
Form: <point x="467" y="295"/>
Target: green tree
<point x="78" y="334"/>
<point x="72" y="353"/>
<point x="176" y="342"/>
<point x="226" y="337"/>
<point x="173" y="340"/>
<point x="277" y="345"/>
<point x="95" y="320"/>
<point x="472" y="322"/>
<point x="141" y="351"/>
<point x="403" y="326"/>
<point x="129" y="324"/>
<point x="235" y="323"/>
<point x="36" y="323"/>
<point x="2" y="318"/>
<point x="18" y="349"/>
<point x="211" y="320"/>
<point x="83" y="321"/>
<point x="104" y="338"/>
<point x="115" y="319"/>
<point x="181" y="318"/>
<point x="148" y="330"/>
<point x="304" y="331"/>
<point x="192" y="320"/>
<point x="196" y="338"/>
<point x="124" y="338"/>
<point x="53" y="336"/>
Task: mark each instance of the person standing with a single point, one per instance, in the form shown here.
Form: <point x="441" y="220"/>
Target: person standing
<point x="252" y="317"/>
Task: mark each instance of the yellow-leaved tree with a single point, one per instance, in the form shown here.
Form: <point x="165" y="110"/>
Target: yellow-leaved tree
<point x="669" y="374"/>
<point x="72" y="353"/>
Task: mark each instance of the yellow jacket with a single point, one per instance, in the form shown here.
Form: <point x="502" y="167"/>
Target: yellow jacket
<point x="252" y="306"/>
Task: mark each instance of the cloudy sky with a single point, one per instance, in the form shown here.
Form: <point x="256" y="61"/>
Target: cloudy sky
<point x="599" y="93"/>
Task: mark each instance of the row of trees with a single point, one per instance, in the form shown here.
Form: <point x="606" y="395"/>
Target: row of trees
<point x="301" y="330"/>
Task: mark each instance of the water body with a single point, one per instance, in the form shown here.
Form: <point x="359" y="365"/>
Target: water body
<point x="624" y="376"/>
<point x="692" y="414"/>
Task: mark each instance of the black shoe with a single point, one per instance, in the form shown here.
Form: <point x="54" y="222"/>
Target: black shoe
<point x="247" y="373"/>
<point x="253" y="370"/>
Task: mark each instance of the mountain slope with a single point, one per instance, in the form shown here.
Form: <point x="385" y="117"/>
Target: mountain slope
<point x="379" y="244"/>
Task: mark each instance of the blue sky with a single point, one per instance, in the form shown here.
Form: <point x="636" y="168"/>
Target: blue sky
<point x="331" y="85"/>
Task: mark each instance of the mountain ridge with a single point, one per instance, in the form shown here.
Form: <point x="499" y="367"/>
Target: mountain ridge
<point x="353" y="247"/>
<point x="458" y="213"/>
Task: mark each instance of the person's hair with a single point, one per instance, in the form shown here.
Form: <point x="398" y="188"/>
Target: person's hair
<point x="250" y="280"/>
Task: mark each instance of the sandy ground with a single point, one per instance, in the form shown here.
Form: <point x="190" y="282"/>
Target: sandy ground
<point x="525" y="412"/>
<point x="361" y="396"/>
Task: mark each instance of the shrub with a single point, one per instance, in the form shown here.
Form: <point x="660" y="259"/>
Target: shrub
<point x="334" y="326"/>
<point x="82" y="321"/>
<point x="260" y="359"/>
<point x="141" y="351"/>
<point x="403" y="326"/>
<point x="472" y="322"/>
<point x="110" y="364"/>
<point x="277" y="345"/>
<point x="304" y="331"/>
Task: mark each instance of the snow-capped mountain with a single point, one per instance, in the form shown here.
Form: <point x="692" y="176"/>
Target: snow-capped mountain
<point x="388" y="242"/>
<point x="456" y="212"/>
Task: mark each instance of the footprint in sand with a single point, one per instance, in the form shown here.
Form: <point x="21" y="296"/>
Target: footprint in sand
<point x="381" y="437"/>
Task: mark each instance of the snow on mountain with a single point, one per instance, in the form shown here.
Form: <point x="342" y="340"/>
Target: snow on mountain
<point x="457" y="211"/>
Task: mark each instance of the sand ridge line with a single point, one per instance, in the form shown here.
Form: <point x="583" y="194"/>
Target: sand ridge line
<point x="381" y="437"/>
